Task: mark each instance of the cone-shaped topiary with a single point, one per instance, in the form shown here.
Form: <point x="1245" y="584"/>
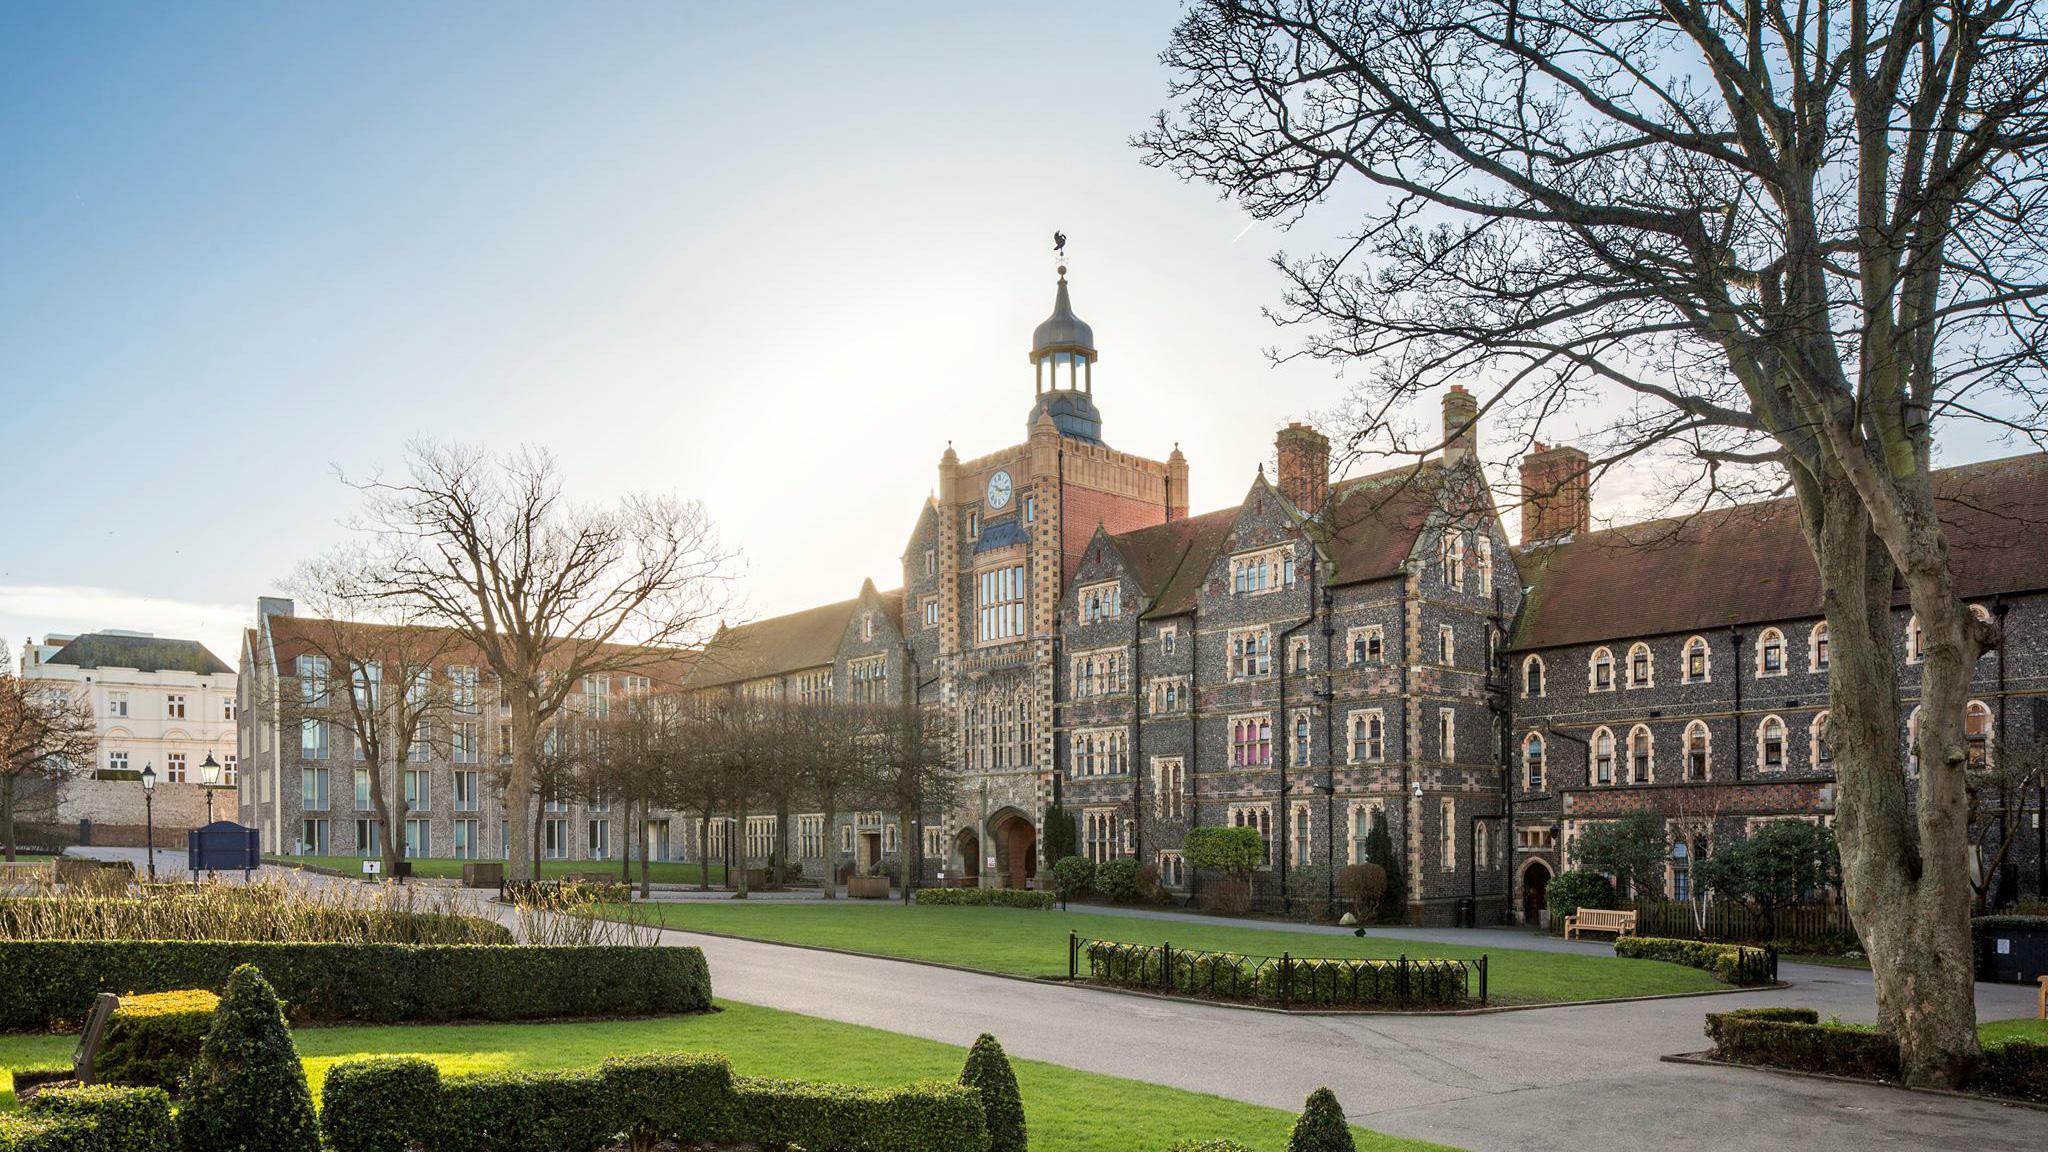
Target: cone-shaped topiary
<point x="247" y="1092"/>
<point x="988" y="1072"/>
<point x="1321" y="1127"/>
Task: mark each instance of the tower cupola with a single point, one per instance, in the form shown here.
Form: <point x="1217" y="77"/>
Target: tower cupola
<point x="1063" y="361"/>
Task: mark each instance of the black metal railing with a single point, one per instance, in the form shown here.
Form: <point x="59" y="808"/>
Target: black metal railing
<point x="1286" y="979"/>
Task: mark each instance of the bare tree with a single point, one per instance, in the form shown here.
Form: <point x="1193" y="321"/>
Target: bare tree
<point x="386" y="658"/>
<point x="837" y="766"/>
<point x="547" y="591"/>
<point x="1784" y="239"/>
<point x="635" y="764"/>
<point x="910" y="773"/>
<point x="46" y="733"/>
<point x="696" y="777"/>
<point x="1999" y="781"/>
<point x="1696" y="809"/>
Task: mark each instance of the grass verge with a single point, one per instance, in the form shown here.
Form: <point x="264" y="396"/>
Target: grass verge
<point x="1068" y="1110"/>
<point x="1032" y="943"/>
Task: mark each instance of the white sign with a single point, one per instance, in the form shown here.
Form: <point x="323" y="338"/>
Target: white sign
<point x="372" y="867"/>
<point x="2005" y="947"/>
<point x="991" y="861"/>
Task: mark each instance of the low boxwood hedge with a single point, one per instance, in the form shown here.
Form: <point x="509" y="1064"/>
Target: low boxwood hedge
<point x="51" y="981"/>
<point x="153" y="1038"/>
<point x="2016" y="1068"/>
<point x="1725" y="961"/>
<point x="985" y="897"/>
<point x="389" y="1105"/>
<point x="93" y="1119"/>
<point x="1795" y="1038"/>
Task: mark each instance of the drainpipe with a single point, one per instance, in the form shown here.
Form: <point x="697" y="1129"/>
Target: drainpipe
<point x="1326" y="694"/>
<point x="1194" y="742"/>
<point x="1137" y="731"/>
<point x="1407" y="740"/>
<point x="1287" y="741"/>
<point x="1735" y="641"/>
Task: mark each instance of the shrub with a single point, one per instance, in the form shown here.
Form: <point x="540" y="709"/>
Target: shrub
<point x="376" y="1105"/>
<point x="1321" y="1126"/>
<point x="1150" y="890"/>
<point x="1793" y="1038"/>
<point x="1207" y="1146"/>
<point x="1061" y="838"/>
<point x="929" y="1116"/>
<point x="2016" y="1068"/>
<point x="1306" y="980"/>
<point x="261" y="911"/>
<point x="1002" y="1106"/>
<point x="1072" y="876"/>
<point x="986" y="897"/>
<point x="541" y="1111"/>
<point x="248" y="1090"/>
<point x="1362" y="886"/>
<point x="1231" y="851"/>
<point x="1117" y="879"/>
<point x="92" y="1119"/>
<point x="1723" y="960"/>
<point x="152" y="1039"/>
<point x="670" y="1095"/>
<point x="54" y="980"/>
<point x="1572" y="890"/>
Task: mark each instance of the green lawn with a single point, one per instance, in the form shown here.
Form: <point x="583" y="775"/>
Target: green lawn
<point x="1999" y="1031"/>
<point x="1032" y="943"/>
<point x="1067" y="1111"/>
<point x="661" y="871"/>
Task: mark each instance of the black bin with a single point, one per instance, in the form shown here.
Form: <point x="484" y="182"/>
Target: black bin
<point x="2012" y="949"/>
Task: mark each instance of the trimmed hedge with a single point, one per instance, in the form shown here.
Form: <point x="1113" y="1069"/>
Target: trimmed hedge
<point x="2016" y="1068"/>
<point x="389" y="1105"/>
<point x="55" y="980"/>
<point x="1117" y="880"/>
<point x="38" y="1074"/>
<point x="1795" y="1038"/>
<point x="152" y="1039"/>
<point x="93" y="1119"/>
<point x="1723" y="960"/>
<point x="986" y="898"/>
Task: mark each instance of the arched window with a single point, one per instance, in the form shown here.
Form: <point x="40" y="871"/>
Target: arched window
<point x="1913" y="653"/>
<point x="1699" y="751"/>
<point x="1600" y="671"/>
<point x="1301" y="748"/>
<point x="1453" y="560"/>
<point x="1913" y="742"/>
<point x="1823" y="753"/>
<point x="1698" y="661"/>
<point x="1977" y="733"/>
<point x="1770" y="653"/>
<point x="1681" y="871"/>
<point x="1770" y="744"/>
<point x="1642" y="754"/>
<point x="1482" y="562"/>
<point x="1984" y="614"/>
<point x="1817" y="648"/>
<point x="1532" y="762"/>
<point x="1532" y="676"/>
<point x="1639" y="665"/>
<point x="1603" y="756"/>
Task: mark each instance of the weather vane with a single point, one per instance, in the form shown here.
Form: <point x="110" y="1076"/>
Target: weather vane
<point x="1059" y="245"/>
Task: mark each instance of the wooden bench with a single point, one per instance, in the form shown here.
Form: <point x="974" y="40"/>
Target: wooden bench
<point x="2044" y="998"/>
<point x="1599" y="920"/>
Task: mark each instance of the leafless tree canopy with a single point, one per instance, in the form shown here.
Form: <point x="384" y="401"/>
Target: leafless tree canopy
<point x="1786" y="238"/>
<point x="45" y="734"/>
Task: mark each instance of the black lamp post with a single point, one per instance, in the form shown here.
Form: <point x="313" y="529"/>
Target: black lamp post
<point x="149" y="816"/>
<point x="209" y="775"/>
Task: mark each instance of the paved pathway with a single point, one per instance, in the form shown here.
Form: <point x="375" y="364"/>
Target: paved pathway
<point x="1583" y="1078"/>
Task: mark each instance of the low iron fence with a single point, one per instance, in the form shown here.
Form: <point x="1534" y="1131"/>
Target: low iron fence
<point x="1285" y="979"/>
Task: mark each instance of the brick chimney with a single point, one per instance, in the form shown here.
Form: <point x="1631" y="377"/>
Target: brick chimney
<point x="1557" y="495"/>
<point x="1304" y="458"/>
<point x="1461" y="425"/>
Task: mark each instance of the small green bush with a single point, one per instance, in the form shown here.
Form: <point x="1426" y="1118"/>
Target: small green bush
<point x="1207" y="1146"/>
<point x="1723" y="960"/>
<point x="1231" y="851"/>
<point x="2016" y="1068"/>
<point x="56" y="980"/>
<point x="376" y="1105"/>
<point x="114" y="1118"/>
<point x="1321" y="1126"/>
<point x="248" y="1090"/>
<point x="929" y="1116"/>
<point x="988" y="1072"/>
<point x="670" y="1096"/>
<point x="534" y="1111"/>
<point x="1572" y="890"/>
<point x="986" y="898"/>
<point x="1073" y="876"/>
<point x="1117" y="880"/>
<point x="153" y="1039"/>
<point x="1778" y="1039"/>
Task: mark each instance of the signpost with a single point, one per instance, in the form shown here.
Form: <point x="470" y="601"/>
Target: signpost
<point x="371" y="868"/>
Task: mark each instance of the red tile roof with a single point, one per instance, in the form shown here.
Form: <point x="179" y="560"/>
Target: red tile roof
<point x="1751" y="563"/>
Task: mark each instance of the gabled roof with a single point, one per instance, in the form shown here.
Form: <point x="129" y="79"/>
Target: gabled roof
<point x="293" y="636"/>
<point x="775" y="646"/>
<point x="142" y="653"/>
<point x="1372" y="522"/>
<point x="1751" y="563"/>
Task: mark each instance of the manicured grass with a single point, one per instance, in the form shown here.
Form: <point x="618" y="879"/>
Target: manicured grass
<point x="1033" y="943"/>
<point x="1068" y="1111"/>
<point x="436" y="868"/>
<point x="1999" y="1031"/>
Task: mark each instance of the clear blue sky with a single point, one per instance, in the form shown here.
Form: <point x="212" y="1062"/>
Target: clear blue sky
<point x="769" y="256"/>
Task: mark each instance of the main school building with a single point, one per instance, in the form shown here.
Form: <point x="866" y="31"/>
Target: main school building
<point x="1321" y="655"/>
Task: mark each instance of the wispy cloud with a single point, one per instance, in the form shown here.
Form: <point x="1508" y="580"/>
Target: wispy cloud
<point x="33" y="611"/>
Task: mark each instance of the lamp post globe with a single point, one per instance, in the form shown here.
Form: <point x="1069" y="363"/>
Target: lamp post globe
<point x="149" y="816"/>
<point x="209" y="775"/>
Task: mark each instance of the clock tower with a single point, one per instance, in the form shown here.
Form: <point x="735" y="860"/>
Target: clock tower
<point x="986" y="573"/>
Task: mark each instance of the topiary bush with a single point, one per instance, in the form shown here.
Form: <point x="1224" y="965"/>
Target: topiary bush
<point x="376" y="1105"/>
<point x="1321" y="1126"/>
<point x="1570" y="891"/>
<point x="248" y="1091"/>
<point x="153" y="1039"/>
<point x="1117" y="880"/>
<point x="1073" y="876"/>
<point x="1002" y="1105"/>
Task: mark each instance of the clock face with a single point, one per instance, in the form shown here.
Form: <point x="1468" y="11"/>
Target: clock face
<point x="999" y="491"/>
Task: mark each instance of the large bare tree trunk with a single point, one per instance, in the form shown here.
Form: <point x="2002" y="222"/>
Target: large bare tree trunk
<point x="736" y="850"/>
<point x="1911" y="913"/>
<point x="519" y="786"/>
<point x="831" y="848"/>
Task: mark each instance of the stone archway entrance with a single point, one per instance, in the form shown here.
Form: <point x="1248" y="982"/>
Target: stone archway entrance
<point x="1016" y="843"/>
<point x="967" y="846"/>
<point x="1535" y="888"/>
